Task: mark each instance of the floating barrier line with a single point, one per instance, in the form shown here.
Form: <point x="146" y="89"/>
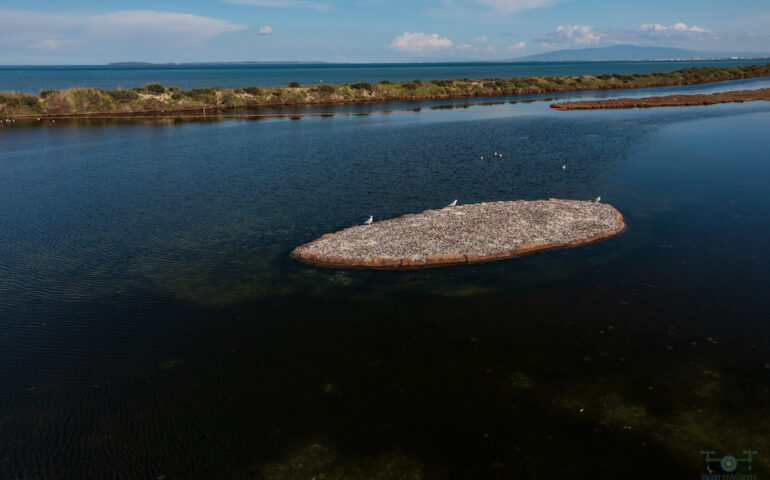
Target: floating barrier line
<point x="271" y="115"/>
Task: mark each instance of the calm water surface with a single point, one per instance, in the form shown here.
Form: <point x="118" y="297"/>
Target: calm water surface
<point x="152" y="324"/>
<point x="31" y="79"/>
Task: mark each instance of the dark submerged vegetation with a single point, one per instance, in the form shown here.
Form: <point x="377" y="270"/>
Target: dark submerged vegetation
<point x="154" y="97"/>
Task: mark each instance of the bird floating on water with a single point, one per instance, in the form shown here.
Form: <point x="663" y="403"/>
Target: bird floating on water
<point x="369" y="220"/>
<point x="564" y="167"/>
<point x="597" y="199"/>
<point x="453" y="204"/>
<point x="482" y="157"/>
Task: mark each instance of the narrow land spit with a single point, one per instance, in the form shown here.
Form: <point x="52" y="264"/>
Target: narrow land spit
<point x="737" y="96"/>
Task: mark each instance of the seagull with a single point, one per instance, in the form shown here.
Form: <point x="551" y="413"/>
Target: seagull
<point x="482" y="157"/>
<point x="453" y="204"/>
<point x="597" y="199"/>
<point x="495" y="153"/>
<point x="501" y="155"/>
<point x="369" y="220"/>
<point x="564" y="167"/>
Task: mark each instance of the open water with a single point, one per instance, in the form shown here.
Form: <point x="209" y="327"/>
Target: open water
<point x="153" y="326"/>
<point x="32" y="79"/>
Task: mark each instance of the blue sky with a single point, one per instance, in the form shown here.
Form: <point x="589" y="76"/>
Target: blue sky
<point x="97" y="32"/>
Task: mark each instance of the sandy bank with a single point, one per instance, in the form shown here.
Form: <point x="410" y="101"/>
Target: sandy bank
<point x="668" y="100"/>
<point x="465" y="234"/>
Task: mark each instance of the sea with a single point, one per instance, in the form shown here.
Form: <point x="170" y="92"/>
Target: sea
<point x="32" y="79"/>
<point x="152" y="324"/>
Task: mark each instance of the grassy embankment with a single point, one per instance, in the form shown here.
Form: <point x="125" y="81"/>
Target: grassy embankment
<point x="154" y="98"/>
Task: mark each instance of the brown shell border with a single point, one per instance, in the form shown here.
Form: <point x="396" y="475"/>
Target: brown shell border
<point x="444" y="259"/>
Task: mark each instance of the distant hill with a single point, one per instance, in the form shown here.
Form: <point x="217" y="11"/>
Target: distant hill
<point x="633" y="53"/>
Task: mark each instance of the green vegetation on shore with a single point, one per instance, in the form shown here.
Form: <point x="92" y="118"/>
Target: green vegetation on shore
<point x="155" y="98"/>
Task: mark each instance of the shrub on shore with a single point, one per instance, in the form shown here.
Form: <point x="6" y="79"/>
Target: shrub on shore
<point x="443" y="83"/>
<point x="122" y="96"/>
<point x="362" y="86"/>
<point x="153" y="89"/>
<point x="155" y="97"/>
<point x="13" y="102"/>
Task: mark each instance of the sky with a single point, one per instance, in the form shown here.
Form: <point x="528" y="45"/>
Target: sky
<point x="95" y="32"/>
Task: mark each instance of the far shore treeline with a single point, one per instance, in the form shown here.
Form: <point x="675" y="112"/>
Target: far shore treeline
<point x="153" y="98"/>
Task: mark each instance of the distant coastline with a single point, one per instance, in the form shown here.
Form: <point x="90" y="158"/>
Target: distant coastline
<point x="635" y="53"/>
<point x="154" y="98"/>
<point x="193" y="64"/>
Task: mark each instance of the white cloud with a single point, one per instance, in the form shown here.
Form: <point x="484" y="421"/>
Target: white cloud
<point x="515" y="47"/>
<point x="135" y="21"/>
<point x="581" y="36"/>
<point x="567" y="36"/>
<point x="478" y="45"/>
<point x="490" y="11"/>
<point x="508" y="7"/>
<point x="677" y="27"/>
<point x="265" y="30"/>
<point x="280" y="3"/>
<point x="676" y="32"/>
<point x="50" y="44"/>
<point x="420" y="43"/>
<point x="119" y="33"/>
<point x="16" y="26"/>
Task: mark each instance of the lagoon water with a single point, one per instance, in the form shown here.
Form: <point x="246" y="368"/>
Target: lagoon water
<point x="153" y="326"/>
<point x="32" y="79"/>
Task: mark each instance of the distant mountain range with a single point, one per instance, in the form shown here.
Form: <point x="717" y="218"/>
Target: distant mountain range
<point x="613" y="53"/>
<point x="633" y="53"/>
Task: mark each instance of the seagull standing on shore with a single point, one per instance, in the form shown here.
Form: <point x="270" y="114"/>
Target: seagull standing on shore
<point x="597" y="199"/>
<point x="369" y="220"/>
<point x="453" y="204"/>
